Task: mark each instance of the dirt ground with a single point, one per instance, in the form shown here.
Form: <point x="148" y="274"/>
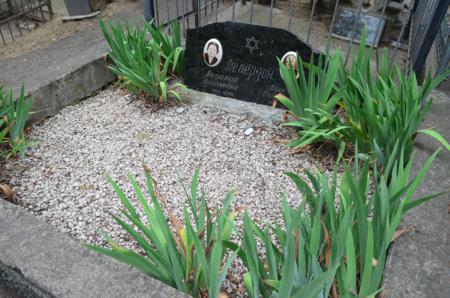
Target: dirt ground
<point x="57" y="29"/>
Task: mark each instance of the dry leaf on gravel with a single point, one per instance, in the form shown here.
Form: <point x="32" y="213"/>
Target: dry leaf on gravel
<point x="7" y="192"/>
<point x="402" y="231"/>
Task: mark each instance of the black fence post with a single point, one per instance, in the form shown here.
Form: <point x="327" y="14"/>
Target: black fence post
<point x="195" y="8"/>
<point x="149" y="10"/>
<point x="430" y="34"/>
<point x="443" y="63"/>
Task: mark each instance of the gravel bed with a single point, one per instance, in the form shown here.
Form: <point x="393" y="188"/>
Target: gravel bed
<point x="64" y="177"/>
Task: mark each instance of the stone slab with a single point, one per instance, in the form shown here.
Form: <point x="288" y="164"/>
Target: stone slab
<point x="61" y="267"/>
<point x="231" y="105"/>
<point x="418" y="263"/>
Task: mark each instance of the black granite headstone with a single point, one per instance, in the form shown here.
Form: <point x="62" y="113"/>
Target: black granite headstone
<point x="240" y="60"/>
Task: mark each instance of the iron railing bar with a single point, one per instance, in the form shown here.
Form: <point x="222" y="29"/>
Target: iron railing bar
<point x="195" y="10"/>
<point x="17" y="20"/>
<point x="183" y="18"/>
<point x="442" y="66"/>
<point x="333" y="19"/>
<point x="8" y="2"/>
<point x="400" y="36"/>
<point x="378" y="29"/>
<point x="434" y="16"/>
<point x="42" y="13"/>
<point x="212" y="9"/>
<point x="168" y="12"/>
<point x="205" y="5"/>
<point x="290" y="15"/>
<point x="177" y="9"/>
<point x="187" y="14"/>
<point x="3" y="38"/>
<point x="30" y="5"/>
<point x="251" y="12"/>
<point x="7" y="20"/>
<point x="16" y="6"/>
<point x="270" y="13"/>
<point x="157" y="12"/>
<point x="379" y="24"/>
<point x="50" y="8"/>
<point x="311" y="19"/>
<point x="353" y="32"/>
<point x="26" y="22"/>
<point x="149" y="11"/>
<point x="10" y="32"/>
<point x="35" y="18"/>
<point x="201" y="7"/>
<point x="198" y="13"/>
<point x="233" y="11"/>
<point x="15" y="9"/>
<point x="217" y="11"/>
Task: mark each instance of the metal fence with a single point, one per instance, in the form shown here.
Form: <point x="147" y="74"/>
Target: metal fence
<point x="420" y="23"/>
<point x="18" y="17"/>
<point x="443" y="46"/>
<point x="427" y="16"/>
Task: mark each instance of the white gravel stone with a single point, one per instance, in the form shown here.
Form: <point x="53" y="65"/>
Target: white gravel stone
<point x="248" y="131"/>
<point x="64" y="177"/>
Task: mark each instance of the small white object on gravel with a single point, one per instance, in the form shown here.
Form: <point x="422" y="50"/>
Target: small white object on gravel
<point x="64" y="179"/>
<point x="180" y="110"/>
<point x="248" y="131"/>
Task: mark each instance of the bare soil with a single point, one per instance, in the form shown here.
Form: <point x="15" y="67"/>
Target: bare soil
<point x="56" y="29"/>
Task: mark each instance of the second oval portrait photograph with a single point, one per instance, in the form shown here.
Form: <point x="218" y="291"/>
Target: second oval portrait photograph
<point x="290" y="59"/>
<point x="212" y="52"/>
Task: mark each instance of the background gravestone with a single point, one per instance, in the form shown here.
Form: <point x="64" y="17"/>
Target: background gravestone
<point x="248" y="67"/>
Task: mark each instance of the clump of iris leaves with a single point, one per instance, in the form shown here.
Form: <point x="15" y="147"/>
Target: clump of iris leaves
<point x="14" y="113"/>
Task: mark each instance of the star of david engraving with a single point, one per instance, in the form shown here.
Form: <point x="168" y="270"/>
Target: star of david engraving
<point x="252" y="44"/>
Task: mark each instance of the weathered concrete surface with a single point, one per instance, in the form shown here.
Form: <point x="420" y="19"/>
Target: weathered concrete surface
<point x="234" y="106"/>
<point x="14" y="284"/>
<point x="51" y="97"/>
<point x="60" y="266"/>
<point x="47" y="72"/>
<point x="66" y="71"/>
<point x="418" y="264"/>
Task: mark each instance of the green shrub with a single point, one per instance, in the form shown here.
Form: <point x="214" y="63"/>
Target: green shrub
<point x="328" y="249"/>
<point x="145" y="65"/>
<point x="334" y="243"/>
<point x="170" y="44"/>
<point x="188" y="257"/>
<point x="13" y="117"/>
<point x="385" y="108"/>
<point x="350" y="104"/>
<point x="292" y="263"/>
<point x="302" y="256"/>
<point x="377" y="217"/>
<point x="312" y="99"/>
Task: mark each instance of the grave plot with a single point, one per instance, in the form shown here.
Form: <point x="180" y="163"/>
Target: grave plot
<point x="64" y="177"/>
<point x="331" y="240"/>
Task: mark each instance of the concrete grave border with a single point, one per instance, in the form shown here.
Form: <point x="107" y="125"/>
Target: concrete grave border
<point x="38" y="260"/>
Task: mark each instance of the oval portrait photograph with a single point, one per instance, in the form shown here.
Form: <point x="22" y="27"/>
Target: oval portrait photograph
<point x="290" y="59"/>
<point x="212" y="52"/>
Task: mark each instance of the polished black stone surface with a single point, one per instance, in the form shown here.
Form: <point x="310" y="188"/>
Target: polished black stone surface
<point x="248" y="68"/>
